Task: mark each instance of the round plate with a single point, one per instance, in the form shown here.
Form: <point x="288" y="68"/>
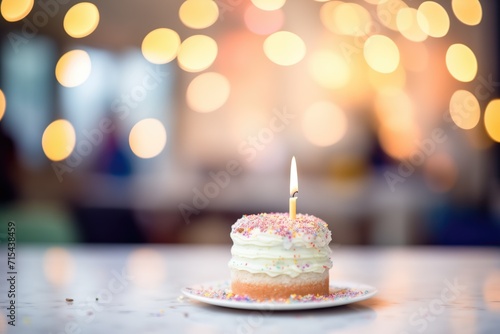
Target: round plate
<point x="219" y="293"/>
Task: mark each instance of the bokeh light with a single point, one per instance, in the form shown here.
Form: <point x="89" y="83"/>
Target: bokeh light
<point x="397" y="130"/>
<point x="81" y="20"/>
<point x="329" y="69"/>
<point x="381" y="53"/>
<point x="408" y="25"/>
<point x="3" y="104"/>
<point x="324" y="124"/>
<point x="73" y="68"/>
<point x="492" y="119"/>
<point x="147" y="267"/>
<point x="461" y="62"/>
<point x="208" y="92"/>
<point x="197" y="53"/>
<point x="468" y="12"/>
<point x="433" y="19"/>
<point x="161" y="45"/>
<point x="284" y="48"/>
<point x="147" y="138"/>
<point x="58" y="140"/>
<point x="387" y="12"/>
<point x="400" y="143"/>
<point x="15" y="10"/>
<point x="268" y="4"/>
<point x="491" y="292"/>
<point x="58" y="266"/>
<point x="464" y="109"/>
<point x="327" y="15"/>
<point x="263" y="22"/>
<point x="352" y="19"/>
<point x="199" y="14"/>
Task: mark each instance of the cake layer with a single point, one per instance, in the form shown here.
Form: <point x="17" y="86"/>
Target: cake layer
<point x="305" y="278"/>
<point x="262" y="286"/>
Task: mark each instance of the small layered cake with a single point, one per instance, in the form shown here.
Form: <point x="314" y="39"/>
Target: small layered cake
<point x="274" y="257"/>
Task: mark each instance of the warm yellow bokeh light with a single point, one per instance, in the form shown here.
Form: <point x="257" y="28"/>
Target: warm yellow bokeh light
<point x="160" y="45"/>
<point x="381" y="53"/>
<point x="58" y="266"/>
<point x="397" y="129"/>
<point x="433" y="19"/>
<point x="147" y="138"/>
<point x="208" y="92"/>
<point x="387" y="12"/>
<point x="327" y="15"/>
<point x="399" y="143"/>
<point x="3" y="104"/>
<point x="199" y="14"/>
<point x="492" y="119"/>
<point x="491" y="290"/>
<point x="329" y="69"/>
<point x="468" y="12"/>
<point x="284" y="48"/>
<point x="147" y="267"/>
<point x="324" y="124"/>
<point x="268" y="4"/>
<point x="81" y="19"/>
<point x="15" y="10"/>
<point x="464" y="109"/>
<point x="352" y="19"/>
<point x="408" y="26"/>
<point x="461" y="62"/>
<point x="58" y="140"/>
<point x="73" y="68"/>
<point x="197" y="53"/>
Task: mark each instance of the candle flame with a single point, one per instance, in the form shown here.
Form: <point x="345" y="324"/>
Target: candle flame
<point x="294" y="183"/>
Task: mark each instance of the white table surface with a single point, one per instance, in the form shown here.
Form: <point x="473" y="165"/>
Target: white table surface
<point x="138" y="288"/>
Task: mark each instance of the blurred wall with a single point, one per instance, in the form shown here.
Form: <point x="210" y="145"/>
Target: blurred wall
<point x="165" y="121"/>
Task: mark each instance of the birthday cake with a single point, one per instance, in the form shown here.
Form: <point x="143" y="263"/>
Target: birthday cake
<point x="274" y="257"/>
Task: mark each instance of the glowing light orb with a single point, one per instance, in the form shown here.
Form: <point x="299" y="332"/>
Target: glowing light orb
<point x="58" y="140"/>
<point x="381" y="53"/>
<point x="73" y="68"/>
<point x="148" y="138"/>
<point x="284" y="48"/>
<point x="160" y="46"/>
<point x="81" y="20"/>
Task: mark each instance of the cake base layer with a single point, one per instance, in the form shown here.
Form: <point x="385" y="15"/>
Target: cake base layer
<point x="263" y="286"/>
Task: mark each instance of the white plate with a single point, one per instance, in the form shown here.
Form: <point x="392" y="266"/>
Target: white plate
<point x="219" y="293"/>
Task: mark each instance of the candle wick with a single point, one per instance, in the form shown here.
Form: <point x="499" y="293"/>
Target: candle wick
<point x="296" y="192"/>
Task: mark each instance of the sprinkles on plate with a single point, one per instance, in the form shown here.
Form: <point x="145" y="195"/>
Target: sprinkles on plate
<point x="226" y="294"/>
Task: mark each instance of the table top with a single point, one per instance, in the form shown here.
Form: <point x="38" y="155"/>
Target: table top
<point x="136" y="289"/>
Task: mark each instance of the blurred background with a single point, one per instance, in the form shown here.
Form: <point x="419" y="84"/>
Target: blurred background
<point x="165" y="121"/>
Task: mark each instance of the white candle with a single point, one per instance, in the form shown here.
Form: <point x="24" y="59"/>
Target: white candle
<point x="294" y="189"/>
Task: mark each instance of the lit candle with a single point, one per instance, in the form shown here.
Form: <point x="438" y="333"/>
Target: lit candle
<point x="294" y="189"/>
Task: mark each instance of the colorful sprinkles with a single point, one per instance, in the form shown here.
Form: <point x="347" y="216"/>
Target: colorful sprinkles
<point x="228" y="295"/>
<point x="281" y="224"/>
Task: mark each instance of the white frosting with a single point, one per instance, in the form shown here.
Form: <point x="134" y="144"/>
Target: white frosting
<point x="287" y="254"/>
